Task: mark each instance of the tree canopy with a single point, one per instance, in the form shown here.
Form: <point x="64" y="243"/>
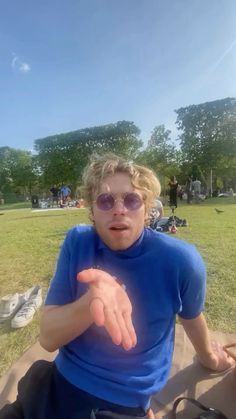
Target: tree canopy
<point x="16" y="171"/>
<point x="63" y="157"/>
<point x="160" y="154"/>
<point x="208" y="134"/>
<point x="207" y="141"/>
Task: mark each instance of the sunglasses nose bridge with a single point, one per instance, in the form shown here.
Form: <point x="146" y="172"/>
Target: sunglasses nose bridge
<point x="119" y="204"/>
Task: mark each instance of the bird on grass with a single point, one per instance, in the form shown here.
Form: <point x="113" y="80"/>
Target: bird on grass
<point x="218" y="211"/>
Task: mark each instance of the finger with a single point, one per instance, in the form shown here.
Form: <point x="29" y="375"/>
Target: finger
<point x="229" y="354"/>
<point x="150" y="414"/>
<point x="130" y="327"/>
<point x="112" y="326"/>
<point x="224" y="360"/>
<point x="222" y="353"/>
<point x="97" y="311"/>
<point x="91" y="275"/>
<point x="229" y="361"/>
<point x="125" y="337"/>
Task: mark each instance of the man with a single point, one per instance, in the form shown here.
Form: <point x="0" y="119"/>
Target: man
<point x="55" y="194"/>
<point x="173" y="191"/>
<point x="112" y="304"/>
<point x="65" y="193"/>
<point x="196" y="189"/>
<point x="188" y="189"/>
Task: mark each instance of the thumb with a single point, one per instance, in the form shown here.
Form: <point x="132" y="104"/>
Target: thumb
<point x="92" y="275"/>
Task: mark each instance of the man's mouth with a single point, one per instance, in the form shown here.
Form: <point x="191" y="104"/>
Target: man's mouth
<point x="118" y="227"/>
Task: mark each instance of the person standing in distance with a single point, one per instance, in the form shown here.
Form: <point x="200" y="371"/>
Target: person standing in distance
<point x="173" y="190"/>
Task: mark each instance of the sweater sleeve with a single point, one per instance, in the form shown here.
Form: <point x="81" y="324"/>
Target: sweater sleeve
<point x="62" y="289"/>
<point x="192" y="284"/>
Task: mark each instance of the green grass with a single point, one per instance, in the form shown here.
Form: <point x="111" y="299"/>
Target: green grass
<point x="17" y="205"/>
<point x="30" y="243"/>
<point x="214" y="236"/>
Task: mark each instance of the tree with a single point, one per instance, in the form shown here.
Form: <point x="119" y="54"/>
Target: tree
<point x="62" y="158"/>
<point x="208" y="134"/>
<point x="16" y="171"/>
<point x="160" y="155"/>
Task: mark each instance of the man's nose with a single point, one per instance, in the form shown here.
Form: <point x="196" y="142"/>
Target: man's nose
<point x="119" y="207"/>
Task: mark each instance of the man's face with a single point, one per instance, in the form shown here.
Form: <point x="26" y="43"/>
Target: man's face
<point x="119" y="227"/>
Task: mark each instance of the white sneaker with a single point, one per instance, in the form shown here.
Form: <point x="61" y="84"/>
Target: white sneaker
<point x="27" y="311"/>
<point x="10" y="304"/>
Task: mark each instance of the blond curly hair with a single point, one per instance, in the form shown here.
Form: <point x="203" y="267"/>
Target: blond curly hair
<point x="100" y="167"/>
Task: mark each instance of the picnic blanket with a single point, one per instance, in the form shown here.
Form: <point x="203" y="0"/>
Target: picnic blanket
<point x="187" y="378"/>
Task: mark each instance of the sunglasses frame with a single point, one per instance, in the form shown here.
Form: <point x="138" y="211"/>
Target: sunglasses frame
<point x="117" y="199"/>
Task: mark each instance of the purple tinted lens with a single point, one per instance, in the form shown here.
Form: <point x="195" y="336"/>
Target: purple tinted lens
<point x="132" y="201"/>
<point x="105" y="202"/>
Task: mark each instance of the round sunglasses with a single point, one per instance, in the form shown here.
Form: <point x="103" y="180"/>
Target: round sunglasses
<point x="131" y="201"/>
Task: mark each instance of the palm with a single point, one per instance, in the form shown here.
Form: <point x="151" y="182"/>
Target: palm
<point x="110" y="306"/>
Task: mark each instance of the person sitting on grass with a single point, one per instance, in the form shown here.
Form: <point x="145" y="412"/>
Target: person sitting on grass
<point x="156" y="214"/>
<point x="112" y="305"/>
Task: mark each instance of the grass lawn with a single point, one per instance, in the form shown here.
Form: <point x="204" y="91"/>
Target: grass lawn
<point x="30" y="243"/>
<point x="17" y="205"/>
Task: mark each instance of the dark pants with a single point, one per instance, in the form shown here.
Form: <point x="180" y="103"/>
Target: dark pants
<point x="43" y="393"/>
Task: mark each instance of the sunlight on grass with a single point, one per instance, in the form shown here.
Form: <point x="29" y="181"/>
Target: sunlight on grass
<point x="214" y="236"/>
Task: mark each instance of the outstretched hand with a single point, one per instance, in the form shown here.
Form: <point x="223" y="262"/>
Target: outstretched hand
<point x="110" y="306"/>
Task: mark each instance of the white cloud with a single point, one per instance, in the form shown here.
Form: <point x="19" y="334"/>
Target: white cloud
<point x="19" y="65"/>
<point x="24" y="68"/>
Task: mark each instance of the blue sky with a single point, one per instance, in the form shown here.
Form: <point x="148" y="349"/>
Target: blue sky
<point x="66" y="65"/>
